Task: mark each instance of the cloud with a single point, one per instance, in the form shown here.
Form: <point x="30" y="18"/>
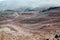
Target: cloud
<point x="12" y="4"/>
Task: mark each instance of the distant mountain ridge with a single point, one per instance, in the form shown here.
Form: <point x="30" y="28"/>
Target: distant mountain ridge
<point x="33" y="9"/>
<point x="51" y="8"/>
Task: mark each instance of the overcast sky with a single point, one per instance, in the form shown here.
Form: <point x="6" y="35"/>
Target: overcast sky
<point x="12" y="4"/>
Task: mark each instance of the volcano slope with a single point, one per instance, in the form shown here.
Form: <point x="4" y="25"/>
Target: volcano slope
<point x="30" y="26"/>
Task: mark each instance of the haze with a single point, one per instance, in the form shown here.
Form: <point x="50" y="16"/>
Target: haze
<point x="13" y="4"/>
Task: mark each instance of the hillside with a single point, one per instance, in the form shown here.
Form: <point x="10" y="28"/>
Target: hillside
<point x="30" y="26"/>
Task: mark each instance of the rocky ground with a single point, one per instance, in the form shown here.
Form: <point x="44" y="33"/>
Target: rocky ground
<point x="30" y="26"/>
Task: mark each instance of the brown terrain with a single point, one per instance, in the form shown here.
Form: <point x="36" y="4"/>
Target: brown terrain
<point x="30" y="26"/>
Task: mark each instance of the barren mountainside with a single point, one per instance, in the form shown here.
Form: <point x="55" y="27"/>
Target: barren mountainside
<point x="30" y="26"/>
